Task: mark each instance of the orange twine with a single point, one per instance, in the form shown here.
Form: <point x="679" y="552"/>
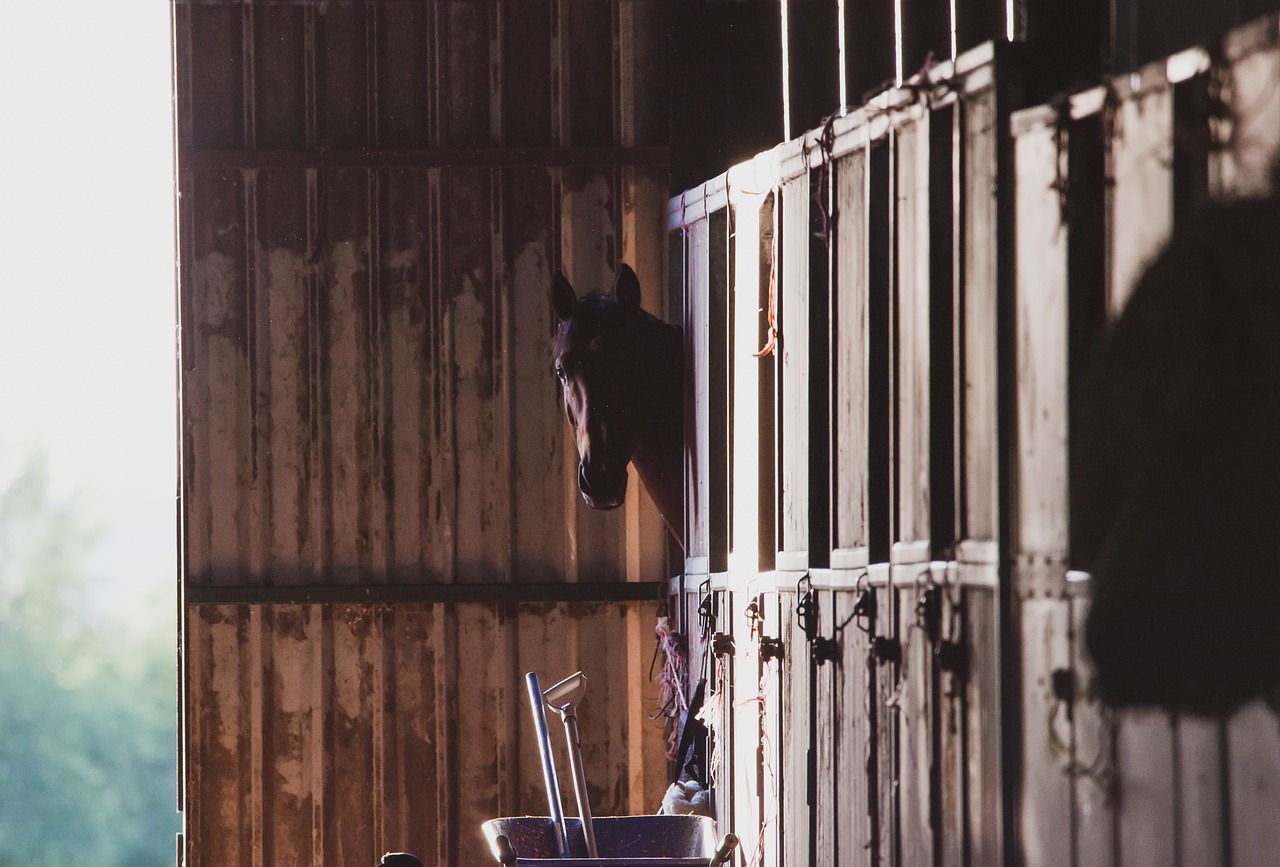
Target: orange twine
<point x="768" y="348"/>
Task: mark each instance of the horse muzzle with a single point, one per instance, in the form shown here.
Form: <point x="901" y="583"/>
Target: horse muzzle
<point x="602" y="488"/>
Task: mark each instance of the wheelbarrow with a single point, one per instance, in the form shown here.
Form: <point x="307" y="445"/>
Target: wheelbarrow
<point x="587" y="841"/>
<point x="621" y="841"/>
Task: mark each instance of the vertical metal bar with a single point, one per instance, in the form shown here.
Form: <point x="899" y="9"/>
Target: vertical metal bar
<point x="954" y="29"/>
<point x="897" y="42"/>
<point x="580" y="783"/>
<point x="842" y="59"/>
<point x="548" y="761"/>
<point x="786" y="73"/>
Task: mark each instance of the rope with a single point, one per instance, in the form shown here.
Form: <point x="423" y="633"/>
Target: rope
<point x="671" y="679"/>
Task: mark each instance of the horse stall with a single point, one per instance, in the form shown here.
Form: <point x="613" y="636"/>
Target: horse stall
<point x="888" y="323"/>
<point x="380" y="526"/>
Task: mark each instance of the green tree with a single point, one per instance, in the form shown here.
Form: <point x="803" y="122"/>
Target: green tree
<point x="87" y="721"/>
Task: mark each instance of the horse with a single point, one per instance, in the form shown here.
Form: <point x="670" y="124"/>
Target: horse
<point x="621" y="370"/>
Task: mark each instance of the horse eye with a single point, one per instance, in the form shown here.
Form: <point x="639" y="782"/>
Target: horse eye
<point x="559" y="373"/>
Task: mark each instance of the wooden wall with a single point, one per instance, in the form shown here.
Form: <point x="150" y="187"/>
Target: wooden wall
<point x="1102" y="179"/>
<point x="864" y="483"/>
<point x="906" y="683"/>
<point x="381" y="527"/>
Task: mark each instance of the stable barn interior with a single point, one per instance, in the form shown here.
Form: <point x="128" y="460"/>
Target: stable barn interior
<point x="381" y="529"/>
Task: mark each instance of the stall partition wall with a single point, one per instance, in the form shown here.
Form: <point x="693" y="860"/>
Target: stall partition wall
<point x="854" y="560"/>
<point x="879" y="593"/>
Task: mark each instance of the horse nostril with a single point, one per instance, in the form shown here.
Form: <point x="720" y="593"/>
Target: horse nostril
<point x="590" y="478"/>
<point x="601" y="484"/>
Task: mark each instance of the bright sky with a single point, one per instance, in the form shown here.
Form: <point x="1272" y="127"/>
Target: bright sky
<point x="87" y="281"/>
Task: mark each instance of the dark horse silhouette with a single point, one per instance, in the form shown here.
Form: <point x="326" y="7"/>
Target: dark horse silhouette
<point x="622" y="372"/>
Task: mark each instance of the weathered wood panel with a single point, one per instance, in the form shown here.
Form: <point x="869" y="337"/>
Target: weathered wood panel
<point x="979" y="450"/>
<point x="953" y="735"/>
<point x="856" y="756"/>
<point x="913" y="704"/>
<point x="1042" y="323"/>
<point x="1094" y="734"/>
<point x="1253" y="760"/>
<point x="745" y="750"/>
<point x="826" y="722"/>
<point x="885" y="844"/>
<point x="1142" y="193"/>
<point x="1201" y="805"/>
<point x="912" y="322"/>
<point x="745" y="422"/>
<point x="985" y="716"/>
<point x="1046" y="804"/>
<point x="721" y="369"/>
<point x="1146" y="792"/>
<point x="773" y="749"/>
<point x="850" y="352"/>
<point x="793" y="349"/>
<point x="795" y="734"/>
<point x="697" y="331"/>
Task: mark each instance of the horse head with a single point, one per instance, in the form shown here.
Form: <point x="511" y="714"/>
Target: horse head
<point x="620" y="370"/>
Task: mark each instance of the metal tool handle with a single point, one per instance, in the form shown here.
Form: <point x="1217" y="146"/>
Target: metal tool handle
<point x="580" y="781"/>
<point x="727" y="845"/>
<point x="548" y="762"/>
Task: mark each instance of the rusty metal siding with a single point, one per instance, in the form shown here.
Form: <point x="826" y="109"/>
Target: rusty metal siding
<point x="373" y="197"/>
<point x="329" y="732"/>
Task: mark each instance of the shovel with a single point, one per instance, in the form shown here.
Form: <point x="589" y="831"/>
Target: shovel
<point x="563" y="698"/>
<point x="548" y="762"/>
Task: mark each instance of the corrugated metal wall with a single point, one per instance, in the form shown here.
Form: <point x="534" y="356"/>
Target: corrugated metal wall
<point x="907" y="682"/>
<point x="381" y="529"/>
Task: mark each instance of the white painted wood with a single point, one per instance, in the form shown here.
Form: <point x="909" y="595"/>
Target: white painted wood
<point x="1142" y="191"/>
<point x="697" y="443"/>
<point x="1147" y="793"/>
<point x="1041" y="299"/>
<point x="793" y="349"/>
<point x="1095" y="804"/>
<point x="1201" y="796"/>
<point x="1047" y="756"/>
<point x="1254" y="772"/>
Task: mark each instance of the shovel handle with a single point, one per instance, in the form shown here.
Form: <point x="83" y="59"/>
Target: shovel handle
<point x="548" y="762"/>
<point x="727" y="845"/>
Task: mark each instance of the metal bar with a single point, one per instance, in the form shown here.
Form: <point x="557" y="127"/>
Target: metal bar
<point x="300" y="594"/>
<point x="580" y="782"/>
<point x="410" y="158"/>
<point x="548" y="761"/>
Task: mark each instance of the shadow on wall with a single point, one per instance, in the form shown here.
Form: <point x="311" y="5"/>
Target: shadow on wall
<point x="1180" y="472"/>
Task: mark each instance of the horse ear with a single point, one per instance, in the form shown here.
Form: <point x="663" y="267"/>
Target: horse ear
<point x="563" y="299"/>
<point x="627" y="289"/>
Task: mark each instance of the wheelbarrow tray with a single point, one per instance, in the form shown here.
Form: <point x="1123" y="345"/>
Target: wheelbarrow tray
<point x="621" y="841"/>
